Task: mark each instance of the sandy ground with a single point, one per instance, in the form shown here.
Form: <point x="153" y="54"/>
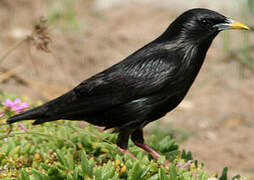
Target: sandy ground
<point x="217" y="113"/>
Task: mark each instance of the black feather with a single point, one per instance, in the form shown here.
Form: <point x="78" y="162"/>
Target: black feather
<point x="141" y="88"/>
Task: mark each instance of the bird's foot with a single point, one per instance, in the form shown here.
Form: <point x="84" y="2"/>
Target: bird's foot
<point x="124" y="151"/>
<point x="151" y="151"/>
<point x="148" y="149"/>
<point x="166" y="163"/>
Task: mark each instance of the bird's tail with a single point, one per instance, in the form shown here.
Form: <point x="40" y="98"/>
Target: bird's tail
<point x="49" y="111"/>
<point x="34" y="113"/>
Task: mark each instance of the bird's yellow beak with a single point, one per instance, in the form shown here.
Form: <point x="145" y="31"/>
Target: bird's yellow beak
<point x="237" y="25"/>
<point x="231" y="24"/>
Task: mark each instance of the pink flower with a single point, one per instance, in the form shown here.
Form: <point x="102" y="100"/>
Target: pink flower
<point x="15" y="105"/>
<point x="22" y="127"/>
<point x="186" y="165"/>
<point x="5" y="139"/>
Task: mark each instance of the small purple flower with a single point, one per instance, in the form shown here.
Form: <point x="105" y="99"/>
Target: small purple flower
<point x="186" y="165"/>
<point x="5" y="139"/>
<point x="1" y="114"/>
<point x="22" y="127"/>
<point x="15" y="105"/>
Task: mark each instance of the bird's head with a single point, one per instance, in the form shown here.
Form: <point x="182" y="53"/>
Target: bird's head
<point x="199" y="25"/>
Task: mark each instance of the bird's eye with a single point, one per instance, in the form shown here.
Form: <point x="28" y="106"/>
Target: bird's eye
<point x="205" y="22"/>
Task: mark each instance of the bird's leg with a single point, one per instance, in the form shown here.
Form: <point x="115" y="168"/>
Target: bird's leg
<point x="122" y="143"/>
<point x="124" y="151"/>
<point x="148" y="149"/>
<point x="138" y="139"/>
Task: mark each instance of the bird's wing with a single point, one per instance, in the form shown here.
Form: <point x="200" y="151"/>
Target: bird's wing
<point x="140" y="75"/>
<point x="134" y="78"/>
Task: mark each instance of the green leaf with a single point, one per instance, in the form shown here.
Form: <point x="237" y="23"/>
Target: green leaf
<point x="24" y="175"/>
<point x="163" y="175"/>
<point x="236" y="177"/>
<point x="38" y="175"/>
<point x="69" y="177"/>
<point x="76" y="174"/>
<point x="186" y="156"/>
<point x="45" y="166"/>
<point x="85" y="164"/>
<point x="115" y="177"/>
<point x="154" y="177"/>
<point x="55" y="174"/>
<point x="98" y="173"/>
<point x="224" y="174"/>
<point x="69" y="161"/>
<point x="172" y="172"/>
<point x="53" y="171"/>
<point x="145" y="171"/>
<point x="108" y="171"/>
<point x="61" y="158"/>
<point x="135" y="172"/>
<point x="203" y="175"/>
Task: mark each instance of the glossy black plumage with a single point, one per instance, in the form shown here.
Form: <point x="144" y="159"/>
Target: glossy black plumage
<point x="144" y="86"/>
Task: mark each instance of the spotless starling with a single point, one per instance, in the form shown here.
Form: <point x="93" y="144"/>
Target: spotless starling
<point x="144" y="86"/>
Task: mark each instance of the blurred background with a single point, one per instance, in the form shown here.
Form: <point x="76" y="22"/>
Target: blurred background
<point x="82" y="37"/>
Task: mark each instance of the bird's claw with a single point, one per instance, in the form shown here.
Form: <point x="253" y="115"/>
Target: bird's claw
<point x="124" y="151"/>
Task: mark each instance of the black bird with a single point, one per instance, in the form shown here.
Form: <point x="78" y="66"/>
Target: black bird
<point x="144" y="86"/>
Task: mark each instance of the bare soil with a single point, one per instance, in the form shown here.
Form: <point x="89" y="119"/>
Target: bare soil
<point x="217" y="113"/>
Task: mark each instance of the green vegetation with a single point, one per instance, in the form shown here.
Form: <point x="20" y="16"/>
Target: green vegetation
<point x="64" y="150"/>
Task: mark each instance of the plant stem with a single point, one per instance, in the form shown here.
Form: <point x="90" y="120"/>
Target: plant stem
<point x="12" y="48"/>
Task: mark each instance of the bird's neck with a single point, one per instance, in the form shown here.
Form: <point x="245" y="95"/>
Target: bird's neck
<point x="197" y="50"/>
<point x="202" y="49"/>
<point x="192" y="52"/>
<point x="194" y="57"/>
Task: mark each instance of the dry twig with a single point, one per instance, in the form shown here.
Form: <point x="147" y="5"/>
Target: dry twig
<point x="39" y="36"/>
<point x="10" y="73"/>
